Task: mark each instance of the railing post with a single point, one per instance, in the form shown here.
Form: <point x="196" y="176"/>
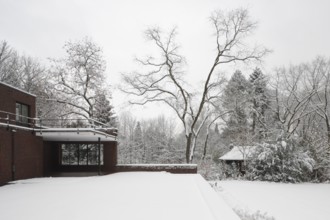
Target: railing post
<point x="99" y="156"/>
<point x="33" y="124"/>
<point x="40" y="122"/>
<point x="7" y="121"/>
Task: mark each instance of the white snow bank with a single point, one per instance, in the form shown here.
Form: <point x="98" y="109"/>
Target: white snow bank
<point x="283" y="201"/>
<point x="121" y="196"/>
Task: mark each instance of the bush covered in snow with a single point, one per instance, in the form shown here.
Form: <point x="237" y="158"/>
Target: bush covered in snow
<point x="283" y="161"/>
<point x="247" y="215"/>
<point x="320" y="153"/>
<point x="211" y="170"/>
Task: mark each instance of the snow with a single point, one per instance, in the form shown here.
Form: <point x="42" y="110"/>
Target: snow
<point x="120" y="196"/>
<point x="283" y="201"/>
<point x="239" y="153"/>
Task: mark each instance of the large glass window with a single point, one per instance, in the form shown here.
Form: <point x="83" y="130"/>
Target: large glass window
<point x="81" y="154"/>
<point x="22" y="113"/>
<point x="70" y="154"/>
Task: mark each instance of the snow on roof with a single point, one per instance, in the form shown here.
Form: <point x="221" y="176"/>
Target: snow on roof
<point x="73" y="134"/>
<point x="13" y="87"/>
<point x="67" y="134"/>
<point x="239" y="153"/>
<point x="124" y="196"/>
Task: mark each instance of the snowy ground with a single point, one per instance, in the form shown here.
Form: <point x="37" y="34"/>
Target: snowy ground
<point x="283" y="201"/>
<point x="121" y="196"/>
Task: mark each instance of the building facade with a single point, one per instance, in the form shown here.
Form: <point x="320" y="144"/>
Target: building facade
<point x="28" y="150"/>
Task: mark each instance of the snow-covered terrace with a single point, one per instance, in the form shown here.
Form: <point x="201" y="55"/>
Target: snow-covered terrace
<point x="120" y="196"/>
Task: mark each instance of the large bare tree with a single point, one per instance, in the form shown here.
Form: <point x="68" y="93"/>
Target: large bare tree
<point x="291" y="98"/>
<point x="319" y="81"/>
<point x="162" y="78"/>
<point x="79" y="79"/>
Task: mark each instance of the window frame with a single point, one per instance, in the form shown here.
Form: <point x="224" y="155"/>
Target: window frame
<point x="78" y="155"/>
<point x="22" y="113"/>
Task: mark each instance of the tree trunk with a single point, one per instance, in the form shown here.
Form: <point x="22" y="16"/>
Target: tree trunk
<point x="205" y="146"/>
<point x="328" y="129"/>
<point x="328" y="135"/>
<point x="192" y="148"/>
<point x="188" y="147"/>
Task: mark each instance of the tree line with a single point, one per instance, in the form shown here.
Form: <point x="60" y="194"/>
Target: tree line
<point x="285" y="112"/>
<point x="288" y="105"/>
<point x="71" y="88"/>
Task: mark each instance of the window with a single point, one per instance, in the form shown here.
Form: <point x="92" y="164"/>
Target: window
<point x="22" y="113"/>
<point x="81" y="154"/>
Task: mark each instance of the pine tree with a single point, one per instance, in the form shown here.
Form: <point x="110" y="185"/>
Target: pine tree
<point x="259" y="103"/>
<point x="103" y="110"/>
<point x="236" y="100"/>
<point x="236" y="90"/>
<point x="138" y="147"/>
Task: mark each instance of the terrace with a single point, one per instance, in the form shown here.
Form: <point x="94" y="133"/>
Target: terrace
<point x="67" y="129"/>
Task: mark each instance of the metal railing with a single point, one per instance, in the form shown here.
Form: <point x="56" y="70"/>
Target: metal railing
<point x="14" y="119"/>
<point x="40" y="123"/>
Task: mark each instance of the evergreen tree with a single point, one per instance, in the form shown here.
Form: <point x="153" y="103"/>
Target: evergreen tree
<point x="259" y="103"/>
<point x="138" y="145"/>
<point x="103" y="110"/>
<point x="236" y="100"/>
<point x="236" y="90"/>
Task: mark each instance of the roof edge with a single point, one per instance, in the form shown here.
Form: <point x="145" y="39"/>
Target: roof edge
<point x="20" y="90"/>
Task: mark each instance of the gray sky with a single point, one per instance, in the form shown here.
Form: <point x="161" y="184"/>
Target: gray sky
<point x="296" y="30"/>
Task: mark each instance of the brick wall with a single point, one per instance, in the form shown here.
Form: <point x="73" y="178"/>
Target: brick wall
<point x="21" y="148"/>
<point x="27" y="158"/>
<point x="5" y="156"/>
<point x="110" y="157"/>
<point x="171" y="168"/>
<point x="9" y="96"/>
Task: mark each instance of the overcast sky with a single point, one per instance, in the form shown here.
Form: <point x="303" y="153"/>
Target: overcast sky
<point x="296" y="30"/>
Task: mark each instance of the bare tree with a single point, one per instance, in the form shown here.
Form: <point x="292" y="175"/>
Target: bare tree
<point x="126" y="150"/>
<point x="163" y="79"/>
<point x="26" y="73"/>
<point x="9" y="64"/>
<point x="319" y="80"/>
<point x="291" y="100"/>
<point x="33" y="75"/>
<point x="79" y="77"/>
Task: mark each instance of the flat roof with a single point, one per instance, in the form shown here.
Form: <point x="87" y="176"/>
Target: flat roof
<point x="67" y="134"/>
<point x="74" y="135"/>
<point x="13" y="87"/>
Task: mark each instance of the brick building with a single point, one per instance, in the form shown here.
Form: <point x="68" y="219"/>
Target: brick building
<point x="29" y="150"/>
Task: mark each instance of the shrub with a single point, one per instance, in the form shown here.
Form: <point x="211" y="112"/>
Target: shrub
<point x="245" y="215"/>
<point x="283" y="161"/>
<point x="211" y="170"/>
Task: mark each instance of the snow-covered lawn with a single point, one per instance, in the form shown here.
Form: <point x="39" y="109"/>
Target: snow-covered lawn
<point x="129" y="196"/>
<point x="305" y="201"/>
